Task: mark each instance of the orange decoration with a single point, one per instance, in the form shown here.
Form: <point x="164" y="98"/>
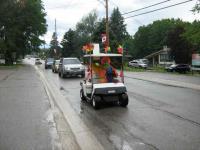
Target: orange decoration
<point x="120" y="49"/>
<point x="105" y="60"/>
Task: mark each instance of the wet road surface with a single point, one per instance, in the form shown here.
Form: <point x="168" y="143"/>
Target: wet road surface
<point x="157" y="117"/>
<point x="26" y="119"/>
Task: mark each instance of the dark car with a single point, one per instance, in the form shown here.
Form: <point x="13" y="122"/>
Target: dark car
<point x="55" y="66"/>
<point x="181" y="68"/>
<point x="48" y="63"/>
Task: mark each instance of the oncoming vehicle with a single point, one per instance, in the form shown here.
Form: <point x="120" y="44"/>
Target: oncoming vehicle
<point x="70" y="67"/>
<point x="37" y="61"/>
<point x="55" y="66"/>
<point x="104" y="81"/>
<point x="48" y="63"/>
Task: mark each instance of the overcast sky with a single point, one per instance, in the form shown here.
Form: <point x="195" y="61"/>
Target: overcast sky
<point x="69" y="12"/>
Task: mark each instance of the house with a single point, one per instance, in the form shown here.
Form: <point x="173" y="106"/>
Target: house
<point x="161" y="57"/>
<point x="2" y="59"/>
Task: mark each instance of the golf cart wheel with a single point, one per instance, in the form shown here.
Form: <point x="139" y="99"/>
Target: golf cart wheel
<point x="123" y="100"/>
<point x="82" y="95"/>
<point x="96" y="102"/>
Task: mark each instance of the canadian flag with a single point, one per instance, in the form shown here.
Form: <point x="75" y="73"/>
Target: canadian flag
<point x="103" y="36"/>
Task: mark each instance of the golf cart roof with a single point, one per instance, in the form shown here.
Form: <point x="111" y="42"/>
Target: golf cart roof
<point x="103" y="55"/>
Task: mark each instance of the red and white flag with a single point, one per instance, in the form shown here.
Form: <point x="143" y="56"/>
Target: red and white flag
<point x="103" y="37"/>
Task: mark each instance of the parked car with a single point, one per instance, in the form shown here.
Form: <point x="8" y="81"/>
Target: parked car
<point x="55" y="66"/>
<point x="70" y="67"/>
<point x="137" y="64"/>
<point x="181" y="68"/>
<point x="37" y="61"/>
<point x="48" y="63"/>
<point x="145" y="61"/>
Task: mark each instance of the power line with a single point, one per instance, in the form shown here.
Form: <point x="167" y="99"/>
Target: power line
<point x="101" y="3"/>
<point x="146" y="7"/>
<point x="111" y="1"/>
<point x="158" y="9"/>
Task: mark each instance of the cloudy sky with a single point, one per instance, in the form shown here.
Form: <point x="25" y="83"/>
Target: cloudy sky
<point x="69" y="12"/>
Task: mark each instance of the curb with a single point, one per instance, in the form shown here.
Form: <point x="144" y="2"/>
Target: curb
<point x="84" y="137"/>
<point x="169" y="82"/>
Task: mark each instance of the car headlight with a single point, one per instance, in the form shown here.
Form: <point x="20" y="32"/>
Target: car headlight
<point x="82" y="68"/>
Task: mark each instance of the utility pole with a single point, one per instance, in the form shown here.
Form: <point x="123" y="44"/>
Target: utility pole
<point x="55" y="38"/>
<point x="44" y="43"/>
<point x="107" y="25"/>
<point x="56" y="42"/>
<point x="55" y="29"/>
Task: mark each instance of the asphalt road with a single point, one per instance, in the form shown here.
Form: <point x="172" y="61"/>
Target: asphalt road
<point x="157" y="117"/>
<point x="26" y="119"/>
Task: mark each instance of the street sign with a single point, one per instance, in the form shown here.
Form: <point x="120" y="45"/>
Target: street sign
<point x="195" y="59"/>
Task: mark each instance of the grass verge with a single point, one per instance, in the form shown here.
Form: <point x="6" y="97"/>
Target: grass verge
<point x="159" y="69"/>
<point x="14" y="66"/>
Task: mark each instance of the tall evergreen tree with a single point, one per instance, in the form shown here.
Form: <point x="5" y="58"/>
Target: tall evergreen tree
<point x="117" y="29"/>
<point x="100" y="29"/>
<point x="54" y="50"/>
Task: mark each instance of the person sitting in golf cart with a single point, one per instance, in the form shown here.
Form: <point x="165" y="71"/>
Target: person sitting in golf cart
<point x="111" y="73"/>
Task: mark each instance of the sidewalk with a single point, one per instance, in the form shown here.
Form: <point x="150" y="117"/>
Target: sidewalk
<point x="5" y="73"/>
<point x="26" y="120"/>
<point x="167" y="79"/>
<point x="79" y="129"/>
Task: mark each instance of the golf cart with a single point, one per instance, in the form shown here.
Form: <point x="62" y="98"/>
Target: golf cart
<point x="104" y="80"/>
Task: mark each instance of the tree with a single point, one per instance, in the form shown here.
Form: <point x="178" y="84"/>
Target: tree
<point x="192" y="34"/>
<point x="70" y="48"/>
<point x="129" y="46"/>
<point x="153" y="37"/>
<point x="99" y="30"/>
<point x="181" y="48"/>
<point x="21" y="24"/>
<point x="117" y="28"/>
<point x="85" y="28"/>
<point x="84" y="31"/>
<point x="54" y="50"/>
<point x="196" y="8"/>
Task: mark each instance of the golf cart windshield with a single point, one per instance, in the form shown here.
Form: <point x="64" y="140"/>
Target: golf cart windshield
<point x="105" y="69"/>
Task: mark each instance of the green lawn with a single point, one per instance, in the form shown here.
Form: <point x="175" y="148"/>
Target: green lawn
<point x="158" y="69"/>
<point x="132" y="69"/>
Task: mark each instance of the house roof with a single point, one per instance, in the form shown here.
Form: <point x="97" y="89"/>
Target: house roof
<point x="157" y="53"/>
